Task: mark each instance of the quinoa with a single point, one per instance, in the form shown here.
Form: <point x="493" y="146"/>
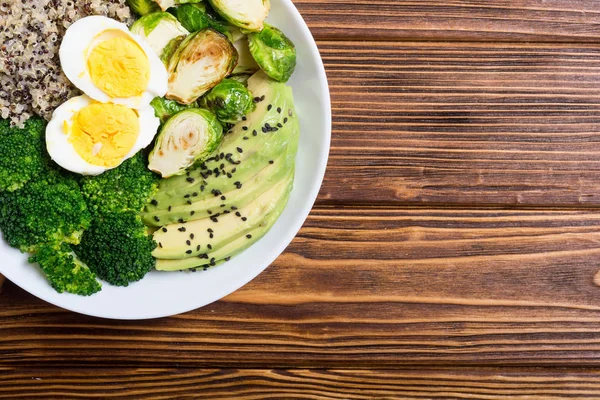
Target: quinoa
<point x="31" y="79"/>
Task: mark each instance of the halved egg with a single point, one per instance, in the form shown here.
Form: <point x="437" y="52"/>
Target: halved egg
<point x="108" y="63"/>
<point x="89" y="137"/>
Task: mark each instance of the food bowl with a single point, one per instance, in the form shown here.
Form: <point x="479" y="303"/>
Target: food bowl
<point x="162" y="294"/>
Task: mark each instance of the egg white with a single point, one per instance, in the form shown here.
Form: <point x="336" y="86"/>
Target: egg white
<point x="83" y="36"/>
<point x="65" y="155"/>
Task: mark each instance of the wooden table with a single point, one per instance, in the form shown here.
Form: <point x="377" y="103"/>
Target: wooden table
<point x="452" y="252"/>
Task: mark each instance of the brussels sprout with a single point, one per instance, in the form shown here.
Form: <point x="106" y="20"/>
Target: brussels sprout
<point x="194" y="17"/>
<point x="248" y="14"/>
<point x="241" y="78"/>
<point x="143" y="7"/>
<point x="274" y="52"/>
<point x="246" y="63"/>
<point x="229" y="100"/>
<point x="185" y="139"/>
<point x="165" y="4"/>
<point x="165" y="109"/>
<point x="200" y="62"/>
<point x="170" y="49"/>
<point x="159" y="29"/>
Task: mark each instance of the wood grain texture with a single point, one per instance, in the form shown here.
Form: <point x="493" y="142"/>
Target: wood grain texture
<point x="365" y="287"/>
<point x="456" y="20"/>
<point x="463" y="124"/>
<point x="315" y="384"/>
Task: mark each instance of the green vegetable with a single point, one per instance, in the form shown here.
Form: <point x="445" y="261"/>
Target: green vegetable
<point x="22" y="153"/>
<point x="64" y="271"/>
<point x="248" y="14"/>
<point x="117" y="248"/>
<point x="274" y="53"/>
<point x="159" y="29"/>
<point x="170" y="49"/>
<point x="202" y="60"/>
<point x="165" y="109"/>
<point x="125" y="188"/>
<point x="229" y="100"/>
<point x="194" y="17"/>
<point x="49" y="209"/>
<point x="246" y="63"/>
<point x="143" y="7"/>
<point x="185" y="140"/>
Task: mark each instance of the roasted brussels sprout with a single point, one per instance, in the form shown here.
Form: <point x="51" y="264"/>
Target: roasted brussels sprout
<point x="165" y="109"/>
<point x="143" y="7"/>
<point x="248" y="14"/>
<point x="194" y="17"/>
<point x="170" y="49"/>
<point x="200" y="62"/>
<point x="185" y="139"/>
<point x="159" y="29"/>
<point x="229" y="100"/>
<point x="274" y="53"/>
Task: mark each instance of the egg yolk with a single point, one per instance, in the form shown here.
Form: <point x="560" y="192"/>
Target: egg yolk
<point x="103" y="134"/>
<point x="119" y="67"/>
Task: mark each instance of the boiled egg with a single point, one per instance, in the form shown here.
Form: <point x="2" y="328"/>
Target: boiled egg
<point x="89" y="137"/>
<point x="111" y="65"/>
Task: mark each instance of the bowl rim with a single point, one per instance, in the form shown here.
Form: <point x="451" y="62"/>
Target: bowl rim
<point x="241" y="279"/>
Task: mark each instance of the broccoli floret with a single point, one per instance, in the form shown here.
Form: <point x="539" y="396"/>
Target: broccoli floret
<point x="22" y="153"/>
<point x="49" y="209"/>
<point x="125" y="188"/>
<point x="117" y="248"/>
<point x="64" y="272"/>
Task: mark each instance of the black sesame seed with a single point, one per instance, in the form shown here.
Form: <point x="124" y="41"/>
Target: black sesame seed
<point x="245" y="128"/>
<point x="188" y="252"/>
<point x="229" y="175"/>
<point x="212" y="260"/>
<point x="154" y="202"/>
<point x="209" y="230"/>
<point x="237" y="214"/>
<point x="193" y="269"/>
<point x="264" y="129"/>
<point x="244" y="118"/>
<point x="233" y="170"/>
<point x="256" y="99"/>
<point x="271" y="162"/>
<point x="209" y="246"/>
<point x="188" y="242"/>
<point x="262" y="98"/>
<point x="234" y="208"/>
<point x="267" y="125"/>
<point x="239" y="149"/>
<point x="223" y="198"/>
<point x="245" y="137"/>
<point x="244" y="219"/>
<point x="165" y="230"/>
<point x="279" y="110"/>
<point x="214" y="219"/>
<point x="279" y="125"/>
<point x="189" y="202"/>
<point x="192" y="236"/>
<point x="192" y="212"/>
<point x="249" y="236"/>
<point x="182" y="229"/>
<point x="222" y="156"/>
<point x="198" y="248"/>
<point x="156" y="219"/>
<point x="226" y="212"/>
<point x="211" y="235"/>
<point x="227" y="258"/>
<point x="195" y="194"/>
<point x="187" y="196"/>
<point x="269" y="107"/>
<point x="160" y="245"/>
<point x="222" y="205"/>
<point x="254" y="133"/>
<point x="209" y="212"/>
<point x="202" y="188"/>
<point x="190" y="180"/>
<point x="170" y="208"/>
<point x="285" y="120"/>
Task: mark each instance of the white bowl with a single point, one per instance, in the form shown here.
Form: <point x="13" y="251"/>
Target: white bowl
<point x="162" y="294"/>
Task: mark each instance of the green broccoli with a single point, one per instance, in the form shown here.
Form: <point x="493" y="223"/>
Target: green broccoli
<point x="125" y="188"/>
<point x="49" y="209"/>
<point x="64" y="272"/>
<point x="22" y="153"/>
<point x="117" y="248"/>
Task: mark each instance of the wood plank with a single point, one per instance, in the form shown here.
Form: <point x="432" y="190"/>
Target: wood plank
<point x="458" y="20"/>
<point x="463" y="123"/>
<point x="254" y="384"/>
<point x="365" y="287"/>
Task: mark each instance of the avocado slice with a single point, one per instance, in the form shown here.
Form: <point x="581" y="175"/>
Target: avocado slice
<point x="244" y="152"/>
<point x="241" y="243"/>
<point x="233" y="200"/>
<point x="203" y="235"/>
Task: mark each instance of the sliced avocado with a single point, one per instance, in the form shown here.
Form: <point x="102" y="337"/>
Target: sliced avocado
<point x="228" y="202"/>
<point x="245" y="150"/>
<point x="232" y="248"/>
<point x="198" y="237"/>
